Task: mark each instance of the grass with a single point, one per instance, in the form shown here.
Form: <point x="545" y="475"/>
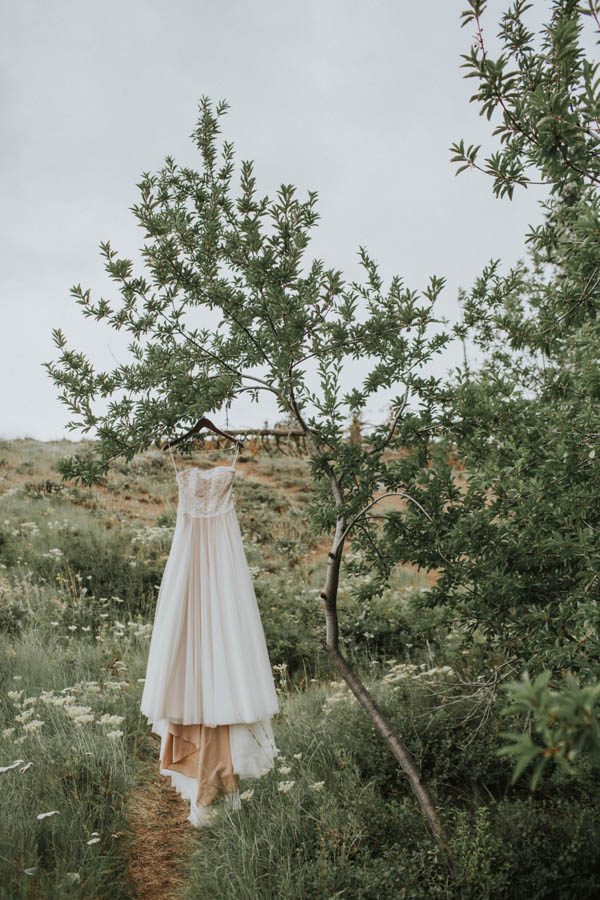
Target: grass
<point x="79" y="574"/>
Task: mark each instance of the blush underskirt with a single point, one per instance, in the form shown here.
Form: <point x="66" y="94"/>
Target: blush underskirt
<point x="206" y="762"/>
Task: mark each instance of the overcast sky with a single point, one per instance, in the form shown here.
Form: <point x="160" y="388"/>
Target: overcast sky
<point x="357" y="100"/>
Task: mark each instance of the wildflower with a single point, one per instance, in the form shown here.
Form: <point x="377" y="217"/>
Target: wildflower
<point x="33" y="726"/>
<point x="15" y="695"/>
<point x="54" y="553"/>
<point x="53" y="812"/>
<point x="75" y="711"/>
<point x="93" y="840"/>
<point x="285" y="786"/>
<point x="247" y="795"/>
<point x="107" y="719"/>
<point x="285" y="770"/>
<point x="73" y="877"/>
<point x="8" y="732"/>
<point x="114" y="735"/>
<point x="317" y="785"/>
<point x="297" y="756"/>
<point x="82" y="720"/>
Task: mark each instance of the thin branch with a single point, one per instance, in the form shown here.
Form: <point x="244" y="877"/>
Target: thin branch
<point x="377" y="500"/>
<point x="378" y="447"/>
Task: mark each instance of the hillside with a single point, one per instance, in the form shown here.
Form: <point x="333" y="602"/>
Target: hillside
<point x="84" y="810"/>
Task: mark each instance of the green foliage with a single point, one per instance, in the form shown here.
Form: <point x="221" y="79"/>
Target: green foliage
<point x="243" y="256"/>
<point x="545" y="93"/>
<point x="67" y="767"/>
<point x="512" y="483"/>
<point x="348" y="825"/>
<point x="562" y="725"/>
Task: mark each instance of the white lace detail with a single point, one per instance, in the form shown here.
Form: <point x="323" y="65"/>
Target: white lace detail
<point x="206" y="493"/>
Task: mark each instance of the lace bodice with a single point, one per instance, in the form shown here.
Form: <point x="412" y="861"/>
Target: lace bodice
<point x="204" y="493"/>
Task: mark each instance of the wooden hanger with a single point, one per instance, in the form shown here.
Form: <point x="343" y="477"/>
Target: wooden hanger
<point x="202" y="423"/>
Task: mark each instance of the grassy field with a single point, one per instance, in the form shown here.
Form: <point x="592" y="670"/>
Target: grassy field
<point x="84" y="812"/>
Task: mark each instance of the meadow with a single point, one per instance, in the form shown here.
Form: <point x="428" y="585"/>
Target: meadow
<point x="84" y="812"/>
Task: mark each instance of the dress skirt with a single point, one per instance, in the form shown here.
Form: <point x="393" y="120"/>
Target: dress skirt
<point x="209" y="691"/>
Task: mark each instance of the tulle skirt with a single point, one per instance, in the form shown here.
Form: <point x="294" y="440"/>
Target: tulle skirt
<point x="208" y="660"/>
<point x="208" y="664"/>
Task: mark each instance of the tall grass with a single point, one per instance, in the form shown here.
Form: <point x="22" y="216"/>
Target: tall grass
<point x="69" y="771"/>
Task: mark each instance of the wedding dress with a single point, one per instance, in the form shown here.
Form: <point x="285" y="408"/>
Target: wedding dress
<point x="209" y="691"/>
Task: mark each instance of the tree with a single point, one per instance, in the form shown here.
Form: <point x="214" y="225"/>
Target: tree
<point x="517" y="550"/>
<point x="244" y="256"/>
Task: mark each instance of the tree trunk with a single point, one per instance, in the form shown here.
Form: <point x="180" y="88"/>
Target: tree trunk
<point x="362" y="694"/>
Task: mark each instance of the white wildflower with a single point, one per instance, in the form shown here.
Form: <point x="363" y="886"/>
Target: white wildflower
<point x="83" y="720"/>
<point x="75" y="711"/>
<point x="247" y="795"/>
<point x="116" y="685"/>
<point x="107" y="719"/>
<point x="54" y="553"/>
<point x="285" y="786"/>
<point x="33" y="726"/>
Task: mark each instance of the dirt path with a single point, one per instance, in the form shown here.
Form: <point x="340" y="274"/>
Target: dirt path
<point x="160" y="838"/>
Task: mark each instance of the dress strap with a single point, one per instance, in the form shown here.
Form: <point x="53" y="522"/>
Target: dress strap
<point x="173" y="460"/>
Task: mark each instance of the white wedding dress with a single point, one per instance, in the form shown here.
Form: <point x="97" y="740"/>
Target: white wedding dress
<point x="208" y="664"/>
